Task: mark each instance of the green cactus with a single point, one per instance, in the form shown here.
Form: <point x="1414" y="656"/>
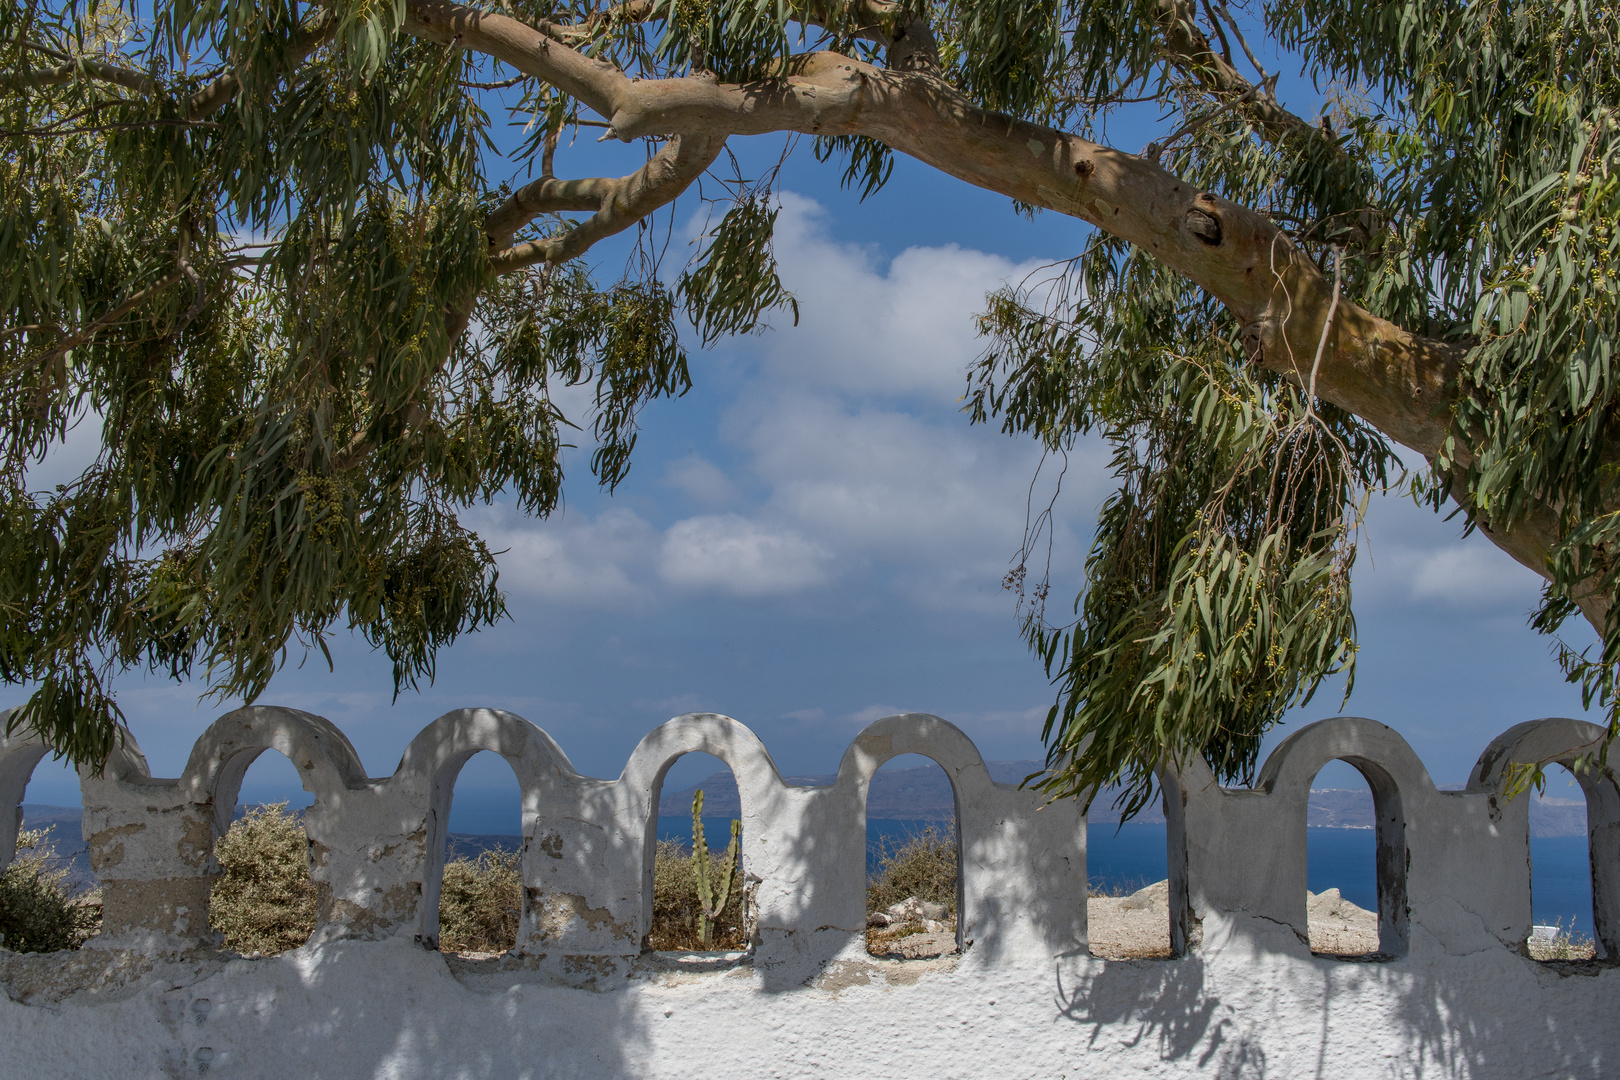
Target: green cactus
<point x="712" y="896"/>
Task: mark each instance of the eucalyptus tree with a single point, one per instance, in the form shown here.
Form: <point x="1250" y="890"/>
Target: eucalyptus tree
<point x="318" y="310"/>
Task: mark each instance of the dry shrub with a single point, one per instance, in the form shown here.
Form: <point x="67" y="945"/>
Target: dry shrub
<point x="1113" y="890"/>
<point x="923" y="865"/>
<point x="1565" y="945"/>
<point x="263" y="901"/>
<point x="675" y="903"/>
<point x="40" y="909"/>
<point x="480" y="902"/>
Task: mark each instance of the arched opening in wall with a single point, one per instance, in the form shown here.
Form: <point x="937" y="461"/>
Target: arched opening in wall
<point x="1355" y="862"/>
<point x="1127" y="881"/>
<point x="480" y="883"/>
<point x="913" y="861"/>
<point x="263" y="901"/>
<point x="702" y="900"/>
<point x="49" y="899"/>
<point x="1560" y="871"/>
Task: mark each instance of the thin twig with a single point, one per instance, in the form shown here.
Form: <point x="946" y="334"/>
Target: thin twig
<point x="1243" y="41"/>
<point x="74" y="340"/>
<point x="1226" y="47"/>
<point x="1327" y="325"/>
<point x="1254" y="93"/>
<point x="502" y="85"/>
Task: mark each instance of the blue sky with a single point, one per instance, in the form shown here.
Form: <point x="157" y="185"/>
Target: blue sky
<point x="815" y="537"/>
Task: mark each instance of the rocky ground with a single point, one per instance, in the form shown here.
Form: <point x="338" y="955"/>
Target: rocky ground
<point x="1137" y="926"/>
<point x="911" y="930"/>
<point x="1134" y="927"/>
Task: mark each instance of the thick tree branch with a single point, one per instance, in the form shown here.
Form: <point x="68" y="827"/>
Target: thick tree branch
<point x="547" y="195"/>
<point x="620" y="203"/>
<point x="80" y="67"/>
<point x="1398" y="382"/>
<point x="1394" y="379"/>
<point x="213" y="97"/>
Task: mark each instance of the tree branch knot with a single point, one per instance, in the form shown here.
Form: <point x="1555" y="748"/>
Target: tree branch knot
<point x="1206" y="226"/>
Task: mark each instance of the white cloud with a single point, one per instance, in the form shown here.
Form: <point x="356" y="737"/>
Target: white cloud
<point x="572" y="558"/>
<point x="700" y="479"/>
<point x="1417" y="558"/>
<point x="731" y="554"/>
<point x="871" y="473"/>
<point x="939" y="507"/>
<point x="853" y="420"/>
<point x="890" y="481"/>
<point x="1003" y="721"/>
<point x="907" y="329"/>
<point x="1473" y="575"/>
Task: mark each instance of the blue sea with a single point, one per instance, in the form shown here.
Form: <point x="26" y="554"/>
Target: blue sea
<point x="1133" y="855"/>
<point x="1118" y="857"/>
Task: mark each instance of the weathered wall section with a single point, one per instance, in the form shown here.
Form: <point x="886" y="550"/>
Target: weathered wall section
<point x="1452" y="994"/>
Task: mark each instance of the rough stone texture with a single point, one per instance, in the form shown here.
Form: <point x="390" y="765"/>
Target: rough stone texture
<point x="926" y="945"/>
<point x="1134" y="927"/>
<point x="1137" y="927"/>
<point x="1339" y="927"/>
<point x="911" y="909"/>
<point x="1451" y="993"/>
<point x="355" y="1009"/>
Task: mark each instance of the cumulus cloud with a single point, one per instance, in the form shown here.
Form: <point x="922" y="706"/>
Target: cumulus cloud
<point x="1418" y="559"/>
<point x="573" y="558"/>
<point x="906" y="328"/>
<point x="1473" y="575"/>
<point x="937" y="507"/>
<point x="851" y="425"/>
<point x="701" y="480"/>
<point x="728" y="553"/>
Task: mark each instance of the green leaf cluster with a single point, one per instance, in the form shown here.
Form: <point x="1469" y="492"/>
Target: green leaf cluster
<point x="256" y="257"/>
<point x="1217" y="587"/>
<point x="279" y="311"/>
<point x="1459" y="182"/>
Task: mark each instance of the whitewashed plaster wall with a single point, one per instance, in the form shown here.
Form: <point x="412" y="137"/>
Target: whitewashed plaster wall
<point x="1451" y="995"/>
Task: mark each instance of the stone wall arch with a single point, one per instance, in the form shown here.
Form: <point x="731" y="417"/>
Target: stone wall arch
<point x="326" y="761"/>
<point x="1560" y="741"/>
<point x="760" y="791"/>
<point x="20" y="752"/>
<point x="1393" y="773"/>
<point x="427" y="775"/>
<point x="1022" y="880"/>
<point x="947" y="746"/>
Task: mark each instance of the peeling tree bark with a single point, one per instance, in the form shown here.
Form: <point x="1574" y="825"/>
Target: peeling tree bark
<point x="1398" y="382"/>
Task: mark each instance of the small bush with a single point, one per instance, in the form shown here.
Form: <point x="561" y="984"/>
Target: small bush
<point x="40" y="910"/>
<point x="675" y="904"/>
<point x="924" y="866"/>
<point x="480" y="902"/>
<point x="1565" y="945"/>
<point x="263" y="901"/>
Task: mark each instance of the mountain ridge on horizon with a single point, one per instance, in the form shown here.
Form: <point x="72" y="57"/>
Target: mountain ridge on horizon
<point x="923" y="793"/>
